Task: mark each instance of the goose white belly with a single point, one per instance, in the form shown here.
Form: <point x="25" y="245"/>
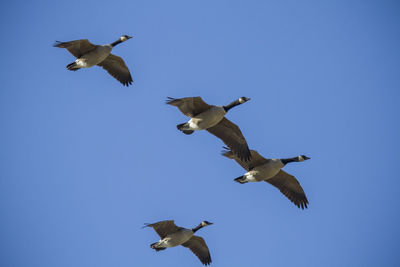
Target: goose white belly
<point x="265" y="171"/>
<point x="207" y="119"/>
<point x="176" y="239"/>
<point x="94" y="57"/>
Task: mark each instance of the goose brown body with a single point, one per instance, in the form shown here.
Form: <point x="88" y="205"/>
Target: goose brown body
<point x="89" y="55"/>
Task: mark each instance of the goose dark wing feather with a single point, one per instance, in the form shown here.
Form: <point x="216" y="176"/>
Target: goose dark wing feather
<point x="290" y="187"/>
<point x="77" y="48"/>
<point x="256" y="159"/>
<point x="116" y="67"/>
<point x="199" y="247"/>
<point x="231" y="135"/>
<point x="190" y="106"/>
<point x="163" y="228"/>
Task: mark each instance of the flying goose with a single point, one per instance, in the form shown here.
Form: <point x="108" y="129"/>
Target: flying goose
<point x="172" y="236"/>
<point x="88" y="55"/>
<point x="269" y="170"/>
<point x="211" y="118"/>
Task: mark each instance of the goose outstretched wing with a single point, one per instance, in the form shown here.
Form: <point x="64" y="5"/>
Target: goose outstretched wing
<point x="190" y="106"/>
<point x="256" y="159"/>
<point x="77" y="48"/>
<point x="290" y="187"/>
<point x="231" y="135"/>
<point x="116" y="67"/>
<point x="199" y="247"/>
<point x="164" y="228"/>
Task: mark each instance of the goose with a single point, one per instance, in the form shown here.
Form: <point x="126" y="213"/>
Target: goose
<point x="212" y="118"/>
<point x="270" y="170"/>
<point x="88" y="55"/>
<point x="172" y="236"/>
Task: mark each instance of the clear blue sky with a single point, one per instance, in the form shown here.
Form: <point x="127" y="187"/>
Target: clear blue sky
<point x="84" y="161"/>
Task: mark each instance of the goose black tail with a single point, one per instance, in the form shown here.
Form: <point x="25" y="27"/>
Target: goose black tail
<point x="240" y="179"/>
<point x="72" y="66"/>
<point x="154" y="246"/>
<point x="182" y="127"/>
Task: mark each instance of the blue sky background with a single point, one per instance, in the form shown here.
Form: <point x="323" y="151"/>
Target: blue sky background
<point x="84" y="161"/>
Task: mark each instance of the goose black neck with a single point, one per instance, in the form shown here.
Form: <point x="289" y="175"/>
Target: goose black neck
<point x="231" y="105"/>
<point x="197" y="228"/>
<point x="116" y="43"/>
<point x="289" y="160"/>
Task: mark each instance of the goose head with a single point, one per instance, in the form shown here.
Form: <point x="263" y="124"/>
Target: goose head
<point x="303" y="158"/>
<point x="235" y="103"/>
<point x="205" y="223"/>
<point x="124" y="38"/>
<point x="201" y="225"/>
<point x="243" y="99"/>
